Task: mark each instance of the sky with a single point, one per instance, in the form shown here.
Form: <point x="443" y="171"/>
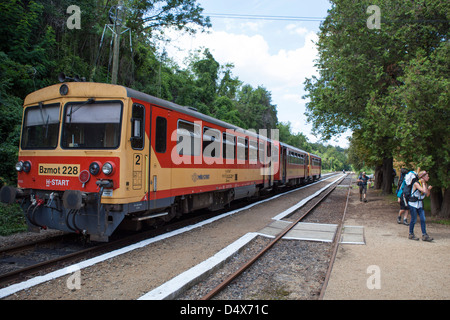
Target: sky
<point x="277" y="55"/>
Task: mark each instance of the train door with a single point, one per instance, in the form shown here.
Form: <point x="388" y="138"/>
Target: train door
<point x="140" y="149"/>
<point x="159" y="164"/>
<point x="283" y="163"/>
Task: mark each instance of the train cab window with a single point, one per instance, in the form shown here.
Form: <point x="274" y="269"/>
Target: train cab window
<point x="211" y="142"/>
<point x="229" y="145"/>
<point x="161" y="135"/>
<point x="41" y="127"/>
<point x="137" y="127"/>
<point x="188" y="138"/>
<point x="92" y="125"/>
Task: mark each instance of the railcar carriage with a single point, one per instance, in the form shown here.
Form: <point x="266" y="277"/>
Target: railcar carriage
<point x="93" y="156"/>
<point x="314" y="167"/>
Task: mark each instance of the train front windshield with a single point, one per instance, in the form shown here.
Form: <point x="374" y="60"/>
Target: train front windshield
<point x="91" y="125"/>
<point x="41" y="127"/>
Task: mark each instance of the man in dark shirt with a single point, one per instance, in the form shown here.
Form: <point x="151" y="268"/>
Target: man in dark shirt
<point x="362" y="183"/>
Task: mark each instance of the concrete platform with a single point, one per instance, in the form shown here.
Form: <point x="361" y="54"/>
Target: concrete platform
<point x="315" y="232"/>
<point x="352" y="235"/>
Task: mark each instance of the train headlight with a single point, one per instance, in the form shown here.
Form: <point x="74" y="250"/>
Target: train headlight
<point x="64" y="89"/>
<point x="19" y="166"/>
<point x="107" y="168"/>
<point x="94" y="168"/>
<point x="26" y="166"/>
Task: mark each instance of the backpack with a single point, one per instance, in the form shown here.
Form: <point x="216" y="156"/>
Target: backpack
<point x="401" y="182"/>
<point x="407" y="188"/>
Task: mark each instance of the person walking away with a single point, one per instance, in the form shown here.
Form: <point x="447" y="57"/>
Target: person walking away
<point x="419" y="191"/>
<point x="401" y="199"/>
<point x="362" y="183"/>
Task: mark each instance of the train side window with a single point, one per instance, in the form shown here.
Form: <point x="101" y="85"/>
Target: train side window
<point x="241" y="148"/>
<point x="137" y="127"/>
<point x="229" y="143"/>
<point x="253" y="152"/>
<point x="161" y="135"/>
<point x="275" y="153"/>
<point x="188" y="138"/>
<point x="261" y="151"/>
<point x="211" y="142"/>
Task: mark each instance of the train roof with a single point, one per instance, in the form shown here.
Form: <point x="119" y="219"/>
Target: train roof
<point x="298" y="150"/>
<point x="105" y="90"/>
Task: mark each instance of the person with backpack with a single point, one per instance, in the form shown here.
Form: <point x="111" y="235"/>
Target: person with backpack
<point x="362" y="183"/>
<point x="419" y="190"/>
<point x="401" y="198"/>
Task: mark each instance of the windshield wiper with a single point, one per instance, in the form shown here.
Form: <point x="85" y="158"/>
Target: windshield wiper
<point x="45" y="123"/>
<point x="72" y="111"/>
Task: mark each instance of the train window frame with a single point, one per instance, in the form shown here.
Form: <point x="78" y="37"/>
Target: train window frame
<point x="137" y="127"/>
<point x="253" y="151"/>
<point x="160" y="139"/>
<point x="275" y="153"/>
<point x="242" y="149"/>
<point x="25" y="136"/>
<point x="195" y="149"/>
<point x="211" y="139"/>
<point x="118" y="137"/>
<point x="226" y="142"/>
<point x="261" y="150"/>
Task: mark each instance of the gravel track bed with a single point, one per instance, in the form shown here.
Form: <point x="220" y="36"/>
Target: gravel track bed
<point x="290" y="270"/>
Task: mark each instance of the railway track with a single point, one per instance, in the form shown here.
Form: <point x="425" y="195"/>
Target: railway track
<point x="77" y="252"/>
<point x="241" y="279"/>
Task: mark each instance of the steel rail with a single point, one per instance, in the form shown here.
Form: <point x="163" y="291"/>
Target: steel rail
<point x="227" y="281"/>
<point x="336" y="246"/>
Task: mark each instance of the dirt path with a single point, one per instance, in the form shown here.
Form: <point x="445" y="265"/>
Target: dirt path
<point x="390" y="266"/>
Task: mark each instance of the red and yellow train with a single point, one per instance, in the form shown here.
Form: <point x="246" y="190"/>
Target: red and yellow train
<point x="95" y="156"/>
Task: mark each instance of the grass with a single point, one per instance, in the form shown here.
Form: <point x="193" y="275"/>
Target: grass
<point x="12" y="219"/>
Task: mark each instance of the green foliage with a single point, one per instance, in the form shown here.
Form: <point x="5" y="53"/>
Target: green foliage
<point x="36" y="45"/>
<point x="390" y="86"/>
<point x="12" y="220"/>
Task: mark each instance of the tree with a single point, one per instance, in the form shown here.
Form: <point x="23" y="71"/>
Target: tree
<point x="361" y="70"/>
<point x="256" y="108"/>
<point x="425" y="133"/>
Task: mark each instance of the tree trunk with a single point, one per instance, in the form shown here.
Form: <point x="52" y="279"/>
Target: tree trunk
<point x="445" y="207"/>
<point x="436" y="201"/>
<point x="388" y="177"/>
<point x="378" y="177"/>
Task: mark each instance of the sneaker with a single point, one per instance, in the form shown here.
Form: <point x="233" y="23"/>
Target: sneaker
<point x="426" y="237"/>
<point x="405" y="222"/>
<point x="413" y="237"/>
<point x="365" y="200"/>
<point x="399" y="220"/>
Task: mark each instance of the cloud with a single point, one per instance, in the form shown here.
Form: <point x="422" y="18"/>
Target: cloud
<point x="282" y="72"/>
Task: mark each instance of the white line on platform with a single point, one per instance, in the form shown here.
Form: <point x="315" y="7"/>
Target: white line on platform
<point x="175" y="286"/>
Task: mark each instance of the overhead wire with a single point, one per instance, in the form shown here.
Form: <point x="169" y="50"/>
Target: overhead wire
<point x="305" y="19"/>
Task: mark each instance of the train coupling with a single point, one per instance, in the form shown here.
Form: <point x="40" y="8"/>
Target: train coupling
<point x="9" y="194"/>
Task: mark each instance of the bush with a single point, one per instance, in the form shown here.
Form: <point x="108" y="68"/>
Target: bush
<point x="12" y="219"/>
